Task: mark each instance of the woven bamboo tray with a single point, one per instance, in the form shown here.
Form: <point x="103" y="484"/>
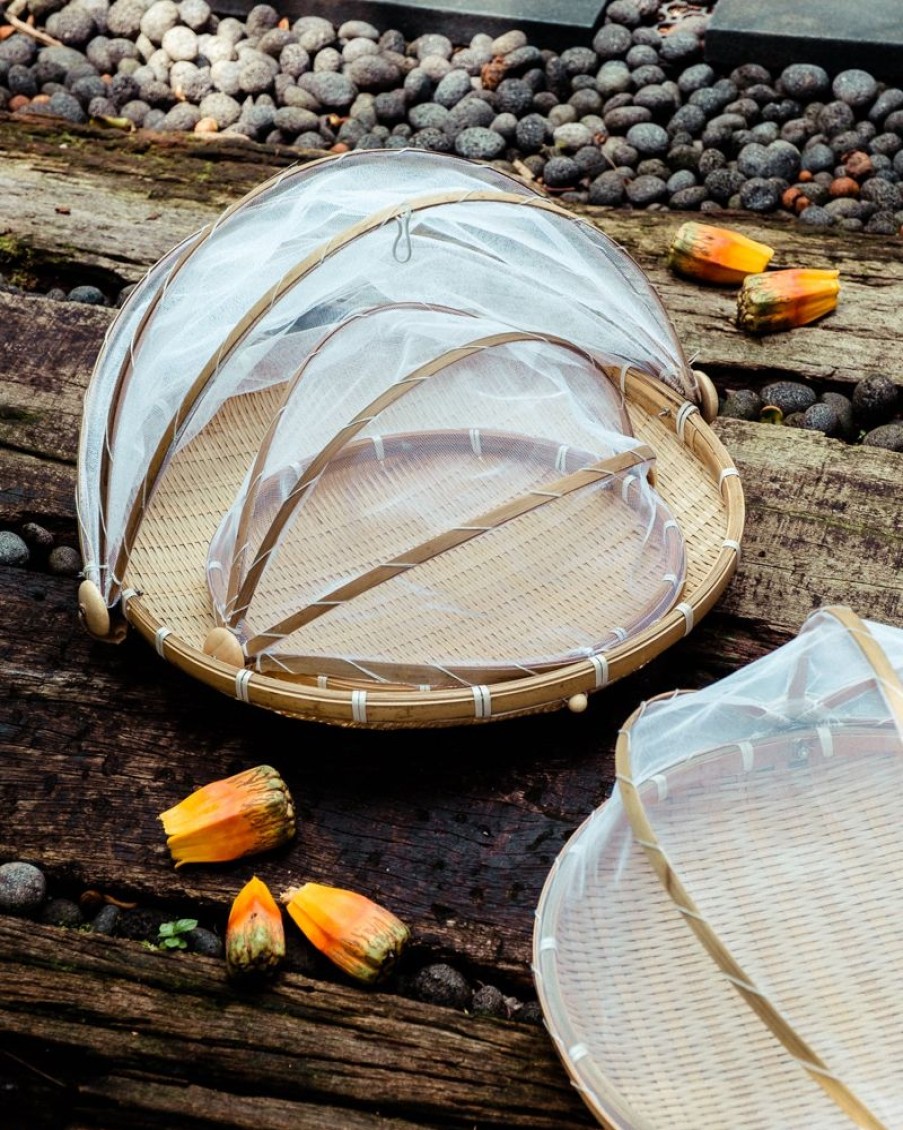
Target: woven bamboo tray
<point x="694" y="476"/>
<point x="719" y="946"/>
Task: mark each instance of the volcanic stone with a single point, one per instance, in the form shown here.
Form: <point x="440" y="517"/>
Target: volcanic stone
<point x="744" y="404"/>
<point x="22" y="887"/>
<point x="648" y="138"/>
<point x="789" y="396"/>
<point x="612" y="41"/>
<point x="607" y="189"/>
<point x="646" y="190"/>
<point x="855" y="87"/>
<point x="479" y="142"/>
<point x="888" y="436"/>
<point x="760" y="195"/>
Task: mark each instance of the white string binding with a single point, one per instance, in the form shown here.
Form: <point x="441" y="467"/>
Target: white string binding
<point x="159" y="636"/>
<point x="359" y="706"/>
<point x="242" y="678"/>
<point x="475" y="441"/>
<point x="661" y="785"/>
<point x="549" y="943"/>
<point x="727" y="473"/>
<point x="687" y="612"/>
<point x="379" y="447"/>
<point x="748" y="753"/>
<point x="482" y="701"/>
<point x="322" y="682"/>
<point x="601" y="665"/>
<point x="683" y="415"/>
<point x="125" y="597"/>
<point x="561" y="459"/>
<point x="826" y="740"/>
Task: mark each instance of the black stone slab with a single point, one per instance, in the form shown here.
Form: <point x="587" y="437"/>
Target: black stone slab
<point x="836" y="34"/>
<point x="548" y="23"/>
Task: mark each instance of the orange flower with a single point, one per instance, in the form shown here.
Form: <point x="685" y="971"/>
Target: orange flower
<point x="240" y="815"/>
<point x="781" y="300"/>
<point x="716" y="255"/>
<point x="356" y="933"/>
<point x="255" y="937"/>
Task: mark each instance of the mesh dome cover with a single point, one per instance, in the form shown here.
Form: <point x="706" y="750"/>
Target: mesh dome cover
<point x="390" y="394"/>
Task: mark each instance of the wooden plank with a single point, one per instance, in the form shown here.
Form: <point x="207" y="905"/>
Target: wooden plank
<point x="152" y="198"/>
<point x="162" y="1038"/>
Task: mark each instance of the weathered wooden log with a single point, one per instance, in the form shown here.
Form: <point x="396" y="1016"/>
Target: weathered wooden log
<point x="455" y="832"/>
<point x="107" y="1029"/>
<point x="154" y="194"/>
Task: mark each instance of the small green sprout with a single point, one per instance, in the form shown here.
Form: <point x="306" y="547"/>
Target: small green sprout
<point x="172" y="933"/>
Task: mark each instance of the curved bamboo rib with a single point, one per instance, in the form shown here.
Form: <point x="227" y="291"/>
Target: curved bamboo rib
<point x="244" y="519"/>
<point x="646" y="837"/>
<point x="320" y="461"/>
<point x="532" y="500"/>
<point x="256" y="312"/>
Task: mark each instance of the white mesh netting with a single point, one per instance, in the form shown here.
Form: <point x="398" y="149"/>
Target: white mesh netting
<point x="447" y="349"/>
<point x="774" y="796"/>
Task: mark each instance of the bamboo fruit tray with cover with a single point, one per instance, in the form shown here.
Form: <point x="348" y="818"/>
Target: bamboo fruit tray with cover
<point x="721" y="943"/>
<point x="398" y="441"/>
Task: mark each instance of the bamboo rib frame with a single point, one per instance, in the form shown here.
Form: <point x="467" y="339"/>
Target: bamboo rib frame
<point x="682" y="784"/>
<point x="696" y="479"/>
<point x="238" y="334"/>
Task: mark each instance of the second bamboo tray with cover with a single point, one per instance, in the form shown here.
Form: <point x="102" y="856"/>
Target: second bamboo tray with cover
<point x="398" y="472"/>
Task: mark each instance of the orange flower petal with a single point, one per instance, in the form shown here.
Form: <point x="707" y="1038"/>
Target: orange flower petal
<point x="781" y="300"/>
<point x="360" y="936"/>
<point x="255" y="936"/>
<point x="240" y="815"/>
<point x="716" y="255"/>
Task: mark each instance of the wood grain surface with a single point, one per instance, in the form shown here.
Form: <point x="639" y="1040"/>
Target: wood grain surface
<point x="454" y="830"/>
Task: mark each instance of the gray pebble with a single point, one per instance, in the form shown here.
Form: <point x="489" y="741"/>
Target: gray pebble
<point x="334" y="91"/>
<point x="64" y="560"/>
<point x="835" y="117"/>
<point x="532" y="132"/>
<point x="194" y="14"/>
<point x="478" y="142"/>
<point x="805" y="81"/>
<point x="452" y="88"/>
<point x="561" y="114"/>
<point x="856" y="88"/>
<point x="572" y="136"/>
<point x="821" y="418"/>
<point x="441" y="984"/>
<point x="180" y="43"/>
<point x="373" y="72"/>
<point x="153" y="119"/>
<point x="432" y="44"/>
<point x="789" y="396"/>
<point x="428" y="115"/>
<point x="391" y="106"/>
<point x="182" y="118"/>
<point x="158" y="19"/>
<point x="529" y="1013"/>
<point x="607" y="189"/>
<point x="888" y="436"/>
<point x="882" y="223"/>
<point x="328" y="59"/>
<point x="358" y="48"/>
<point x="204" y="942"/>
<point x="648" y="139"/>
<point x="261" y="18"/>
<point x="689" y="119"/>
<point x="13" y="550"/>
<point x="490" y="1001"/>
<point x="722" y="184"/>
<point x="226" y="76"/>
<point x="22" y="886"/>
<point x="73" y="26"/>
<point x="697" y="77"/>
<point x="679" y="47"/>
<point x="744" y="404"/>
<point x="612" y="41"/>
<point x="36" y="536"/>
<point x="436" y="140"/>
<point x="106" y="920"/>
<point x="561" y="172"/>
<point x="435" y="67"/>
<point x="514" y="96"/>
<point x="646" y="190"/>
<point x="882" y="193"/>
<point x="843" y="410"/>
<point x="579" y="61"/>
<point x="61" y="912"/>
<point x="222" y="108"/>
<point x="357" y="29"/>
<point x="509" y="41"/>
<point x="22" y="49"/>
<point x="136" y="110"/>
<point x="255" y="76"/>
<point x="522" y="59"/>
<point x="314" y="33"/>
<point x="874" y="400"/>
<point x="816" y="217"/>
<point x="886" y="103"/>
<point x="614" y="77"/>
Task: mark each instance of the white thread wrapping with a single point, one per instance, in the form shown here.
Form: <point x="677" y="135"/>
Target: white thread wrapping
<point x="159" y="636"/>
<point x="424" y="687"/>
<point x="670" y="578"/>
<point x="577" y="1052"/>
<point x="620" y="634"/>
<point x="661" y="785"/>
<point x="322" y="682"/>
<point x="728" y="473"/>
<point x="826" y="740"/>
<point x="601" y="665"/>
<point x="242" y="678"/>
<point x="732" y="543"/>
<point x="687" y="611"/>
<point x="379" y="447"/>
<point x="482" y="701"/>
<point x="622" y="379"/>
<point x="670" y="525"/>
<point x="548" y="944"/>
<point x="561" y="459"/>
<point x="475" y="441"/>
<point x="682" y="416"/>
<point x="749" y="756"/>
<point x="626" y="483"/>
<point x="127" y="595"/>
<point x="359" y="706"/>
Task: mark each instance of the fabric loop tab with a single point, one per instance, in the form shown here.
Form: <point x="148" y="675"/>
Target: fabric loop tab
<point x="159" y="636"/>
<point x="727" y="473"/>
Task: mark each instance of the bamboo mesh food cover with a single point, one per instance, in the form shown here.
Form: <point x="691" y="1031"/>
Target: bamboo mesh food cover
<point x="399" y="441"/>
<point x="719" y="945"/>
